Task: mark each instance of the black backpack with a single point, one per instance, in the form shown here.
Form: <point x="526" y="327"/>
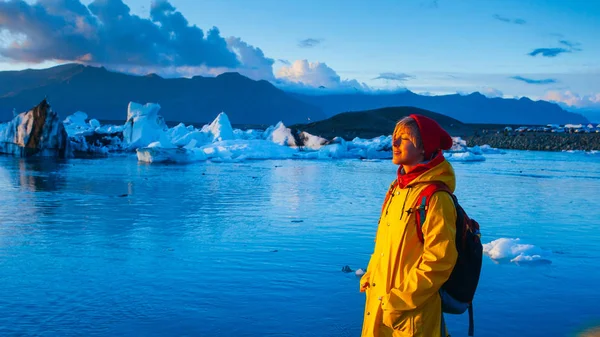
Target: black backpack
<point x="458" y="292"/>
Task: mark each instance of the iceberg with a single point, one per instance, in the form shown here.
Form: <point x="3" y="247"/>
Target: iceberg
<point x="221" y="151"/>
<point x="218" y="141"/>
<point x="312" y="142"/>
<point x="458" y="145"/>
<point x="94" y="123"/>
<point x="247" y="134"/>
<point x="376" y="148"/>
<point x="76" y="124"/>
<point x="144" y="125"/>
<point x="512" y="250"/>
<point x="221" y="128"/>
<point x="281" y="135"/>
<point x="486" y="149"/>
<point x="178" y="134"/>
<point x="37" y="132"/>
<point x="146" y="133"/>
<point x="90" y="138"/>
<point x="464" y="157"/>
<point x="157" y="154"/>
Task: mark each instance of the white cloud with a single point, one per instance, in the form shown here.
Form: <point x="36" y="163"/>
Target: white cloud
<point x="300" y="75"/>
<point x="170" y="72"/>
<point x="253" y="62"/>
<point x="572" y="99"/>
<point x="304" y="74"/>
<point x="491" y="92"/>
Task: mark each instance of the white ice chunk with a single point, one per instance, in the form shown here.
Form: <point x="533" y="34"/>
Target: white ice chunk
<point x="463" y="157"/>
<point x="458" y="145"/>
<point x="109" y="129"/>
<point x="177" y="132"/>
<point x="490" y="150"/>
<point x="221" y="128"/>
<point x="312" y="142"/>
<point x="76" y="125"/>
<point x="78" y="118"/>
<point x="94" y="123"/>
<point x="199" y="137"/>
<point x="475" y="150"/>
<point x="512" y="250"/>
<point x="162" y="155"/>
<point x="279" y="134"/>
<point x="249" y="149"/>
<point x="248" y="134"/>
<point x="144" y="125"/>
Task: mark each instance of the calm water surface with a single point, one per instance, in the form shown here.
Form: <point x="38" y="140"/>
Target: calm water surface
<point x="111" y="247"/>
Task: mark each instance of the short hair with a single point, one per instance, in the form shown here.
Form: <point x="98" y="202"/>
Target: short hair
<point x="409" y="126"/>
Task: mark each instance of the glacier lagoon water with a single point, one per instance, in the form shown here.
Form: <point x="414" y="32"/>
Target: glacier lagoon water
<point x="111" y="247"/>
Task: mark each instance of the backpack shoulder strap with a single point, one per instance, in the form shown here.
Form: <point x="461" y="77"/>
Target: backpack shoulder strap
<point x="422" y="204"/>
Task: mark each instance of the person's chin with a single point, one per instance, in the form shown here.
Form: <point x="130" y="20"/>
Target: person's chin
<point x="396" y="161"/>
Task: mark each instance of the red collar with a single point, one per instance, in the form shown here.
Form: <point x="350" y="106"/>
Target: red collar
<point x="404" y="179"/>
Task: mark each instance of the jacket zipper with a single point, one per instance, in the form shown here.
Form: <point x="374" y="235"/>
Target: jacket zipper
<point x="390" y="200"/>
<point x="404" y="203"/>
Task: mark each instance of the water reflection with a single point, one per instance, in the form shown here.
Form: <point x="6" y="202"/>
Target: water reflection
<point x="40" y="174"/>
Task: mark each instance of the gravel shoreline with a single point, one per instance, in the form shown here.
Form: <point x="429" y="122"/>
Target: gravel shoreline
<point x="536" y="141"/>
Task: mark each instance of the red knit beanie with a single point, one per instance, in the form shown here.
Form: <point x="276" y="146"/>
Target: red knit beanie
<point x="433" y="136"/>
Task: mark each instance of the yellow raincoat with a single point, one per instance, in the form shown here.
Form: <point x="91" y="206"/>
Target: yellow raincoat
<point x="404" y="275"/>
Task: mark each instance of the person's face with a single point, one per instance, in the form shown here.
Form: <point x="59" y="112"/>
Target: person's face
<point x="405" y="153"/>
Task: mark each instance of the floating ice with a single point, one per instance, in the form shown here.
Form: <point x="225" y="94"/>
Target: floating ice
<point x="76" y="124"/>
<point x="146" y="132"/>
<point x="110" y="129"/>
<point x="490" y="150"/>
<point x="464" y="157"/>
<point x="279" y="134"/>
<point x="94" y="123"/>
<point x="248" y="134"/>
<point x="144" y="125"/>
<point x="91" y="137"/>
<point x="221" y="128"/>
<point x="512" y="250"/>
<point x="312" y="142"/>
<point x="166" y="155"/>
<point x="458" y="145"/>
<point x="37" y="132"/>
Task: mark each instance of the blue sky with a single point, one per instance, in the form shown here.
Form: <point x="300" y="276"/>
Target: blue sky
<point x="510" y="48"/>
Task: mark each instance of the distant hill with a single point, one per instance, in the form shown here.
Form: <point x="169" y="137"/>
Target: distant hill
<point x="374" y="123"/>
<point x="104" y="95"/>
<point x="473" y="108"/>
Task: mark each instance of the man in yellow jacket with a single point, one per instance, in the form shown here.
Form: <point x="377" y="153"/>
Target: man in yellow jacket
<point x="405" y="273"/>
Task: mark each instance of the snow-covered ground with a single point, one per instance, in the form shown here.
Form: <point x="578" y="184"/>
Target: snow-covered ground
<point x="146" y="133"/>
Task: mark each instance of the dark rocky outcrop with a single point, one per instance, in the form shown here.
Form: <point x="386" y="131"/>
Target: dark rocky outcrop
<point x="38" y="132"/>
<point x="375" y="123"/>
<point x="538" y="141"/>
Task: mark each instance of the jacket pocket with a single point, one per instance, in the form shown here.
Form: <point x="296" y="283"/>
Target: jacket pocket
<point x="404" y="323"/>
